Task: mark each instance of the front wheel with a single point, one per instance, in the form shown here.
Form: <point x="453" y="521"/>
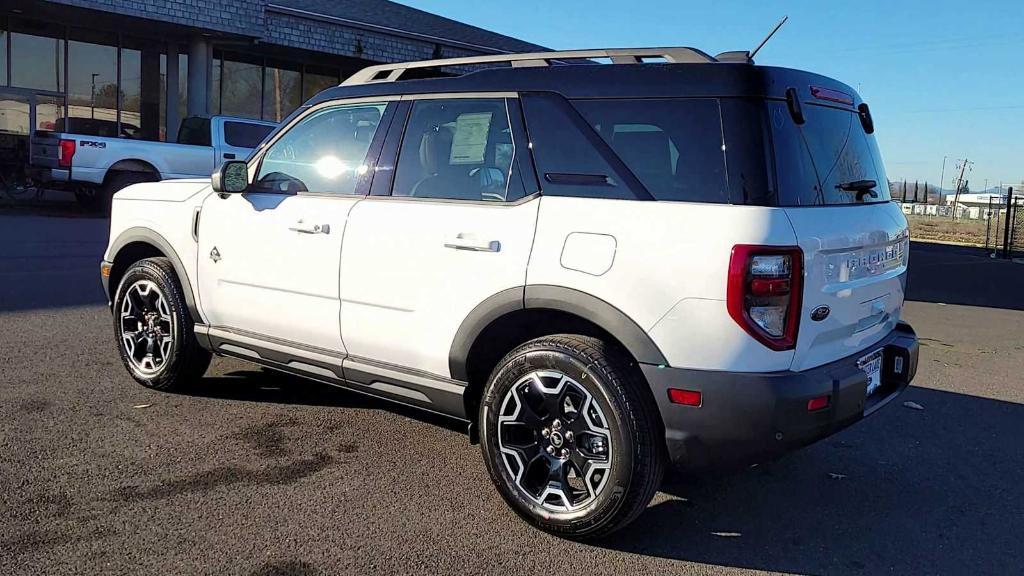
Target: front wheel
<point x="570" y="437"/>
<point x="154" y="328"/>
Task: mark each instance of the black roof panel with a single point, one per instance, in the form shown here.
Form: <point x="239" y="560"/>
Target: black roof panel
<point x="612" y="81"/>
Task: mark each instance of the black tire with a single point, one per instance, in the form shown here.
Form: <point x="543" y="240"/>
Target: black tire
<point x="636" y="455"/>
<point x="153" y="361"/>
<point x="89" y="199"/>
<point x="100" y="199"/>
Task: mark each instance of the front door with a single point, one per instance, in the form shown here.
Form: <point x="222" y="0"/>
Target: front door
<point x="455" y="230"/>
<point x="269" y="259"/>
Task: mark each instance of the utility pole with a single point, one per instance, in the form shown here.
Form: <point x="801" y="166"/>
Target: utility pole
<point x="941" y="177"/>
<point x="959" y="183"/>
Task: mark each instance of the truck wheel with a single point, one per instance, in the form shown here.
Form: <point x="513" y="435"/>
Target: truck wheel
<point x="89" y="199"/>
<point x="116" y="181"/>
<point x="155" y="329"/>
<point x="570" y="437"/>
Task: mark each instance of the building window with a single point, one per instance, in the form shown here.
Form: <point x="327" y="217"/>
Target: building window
<point x="143" y="88"/>
<point x="282" y="91"/>
<point x="317" y="79"/>
<point x="181" y="99"/>
<point x="14" y="114"/>
<point x="92" y="84"/>
<point x="3" y="52"/>
<point x="49" y="112"/>
<point x="241" y="84"/>
<point x="37" y="56"/>
<point x="215" y="85"/>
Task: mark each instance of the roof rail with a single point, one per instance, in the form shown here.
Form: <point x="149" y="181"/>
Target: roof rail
<point x="391" y="72"/>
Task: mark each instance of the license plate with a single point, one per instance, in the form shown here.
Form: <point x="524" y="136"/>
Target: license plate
<point x="872" y="366"/>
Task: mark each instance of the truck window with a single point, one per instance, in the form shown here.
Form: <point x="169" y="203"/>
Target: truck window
<point x="195" y="131"/>
<point x="245" y="134"/>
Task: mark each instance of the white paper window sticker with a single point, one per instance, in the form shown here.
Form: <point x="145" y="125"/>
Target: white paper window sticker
<point x="470" y="140"/>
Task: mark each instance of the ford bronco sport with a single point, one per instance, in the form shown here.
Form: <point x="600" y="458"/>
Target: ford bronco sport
<point x="603" y="269"/>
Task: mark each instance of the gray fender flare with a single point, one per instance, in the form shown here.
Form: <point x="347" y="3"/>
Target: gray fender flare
<point x="148" y="236"/>
<point x="586" y="306"/>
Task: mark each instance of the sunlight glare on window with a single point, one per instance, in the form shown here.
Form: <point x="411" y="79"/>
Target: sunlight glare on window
<point x="330" y="166"/>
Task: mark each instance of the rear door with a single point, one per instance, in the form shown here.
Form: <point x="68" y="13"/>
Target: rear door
<point x="450" y="229"/>
<point x="854" y="239"/>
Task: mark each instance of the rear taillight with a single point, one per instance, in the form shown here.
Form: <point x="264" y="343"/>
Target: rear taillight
<point x="65" y="152"/>
<point x="765" y="285"/>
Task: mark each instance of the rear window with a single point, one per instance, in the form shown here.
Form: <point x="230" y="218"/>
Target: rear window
<point x="195" y="131"/>
<point x="244" y="134"/>
<point x="674" y="147"/>
<point x="818" y="162"/>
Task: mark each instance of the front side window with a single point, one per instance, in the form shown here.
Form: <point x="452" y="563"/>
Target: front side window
<point x="324" y="153"/>
<point x="458" y="150"/>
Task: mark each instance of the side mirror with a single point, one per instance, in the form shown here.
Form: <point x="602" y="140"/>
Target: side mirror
<point x="231" y="178"/>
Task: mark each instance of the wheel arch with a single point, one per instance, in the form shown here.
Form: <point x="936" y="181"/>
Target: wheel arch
<point x="131" y="165"/>
<point x="517" y="315"/>
<point x="137" y="243"/>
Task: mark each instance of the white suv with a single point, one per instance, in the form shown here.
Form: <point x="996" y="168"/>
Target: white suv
<point x="601" y="269"/>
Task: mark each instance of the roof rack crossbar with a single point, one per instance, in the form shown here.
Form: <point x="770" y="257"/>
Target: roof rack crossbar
<point x="392" y="72"/>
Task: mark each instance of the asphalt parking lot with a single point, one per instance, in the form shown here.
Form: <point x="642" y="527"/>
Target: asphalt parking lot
<point x="258" y="473"/>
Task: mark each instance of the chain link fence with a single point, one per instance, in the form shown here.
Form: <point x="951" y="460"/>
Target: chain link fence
<point x="1004" y="232"/>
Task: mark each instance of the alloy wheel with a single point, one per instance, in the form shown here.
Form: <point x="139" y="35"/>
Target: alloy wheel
<point x="147" y="327"/>
<point x="554" y="441"/>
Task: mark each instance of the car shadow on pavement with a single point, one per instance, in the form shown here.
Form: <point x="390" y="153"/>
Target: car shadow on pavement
<point x="949" y="274"/>
<point x="907" y="492"/>
<point x="271" y="386"/>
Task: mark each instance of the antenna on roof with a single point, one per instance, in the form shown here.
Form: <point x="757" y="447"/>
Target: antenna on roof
<point x="768" y="37"/>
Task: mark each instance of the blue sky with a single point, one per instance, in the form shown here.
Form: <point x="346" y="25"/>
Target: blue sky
<point x="943" y="78"/>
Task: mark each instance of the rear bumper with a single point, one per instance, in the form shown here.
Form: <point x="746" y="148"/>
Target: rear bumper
<point x="746" y="418"/>
<point x="49" y="176"/>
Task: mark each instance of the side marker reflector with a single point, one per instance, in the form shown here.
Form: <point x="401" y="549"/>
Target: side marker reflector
<point x="815" y="404"/>
<point x="684" y="397"/>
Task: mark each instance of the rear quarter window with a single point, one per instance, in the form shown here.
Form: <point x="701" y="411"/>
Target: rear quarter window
<point x="195" y="131"/>
<point x="673" y="146"/>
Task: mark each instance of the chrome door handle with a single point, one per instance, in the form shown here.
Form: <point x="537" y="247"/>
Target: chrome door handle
<point x="464" y="241"/>
<point x="304" y="228"/>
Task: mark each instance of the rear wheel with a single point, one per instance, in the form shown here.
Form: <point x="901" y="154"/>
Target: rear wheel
<point x="570" y="438"/>
<point x="155" y="329"/>
<point x="89" y="198"/>
<point x="99" y="199"/>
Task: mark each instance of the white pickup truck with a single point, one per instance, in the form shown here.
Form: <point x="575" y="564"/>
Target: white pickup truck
<point x="95" y="167"/>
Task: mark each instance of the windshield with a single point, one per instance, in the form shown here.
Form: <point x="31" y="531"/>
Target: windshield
<point x="828" y="160"/>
